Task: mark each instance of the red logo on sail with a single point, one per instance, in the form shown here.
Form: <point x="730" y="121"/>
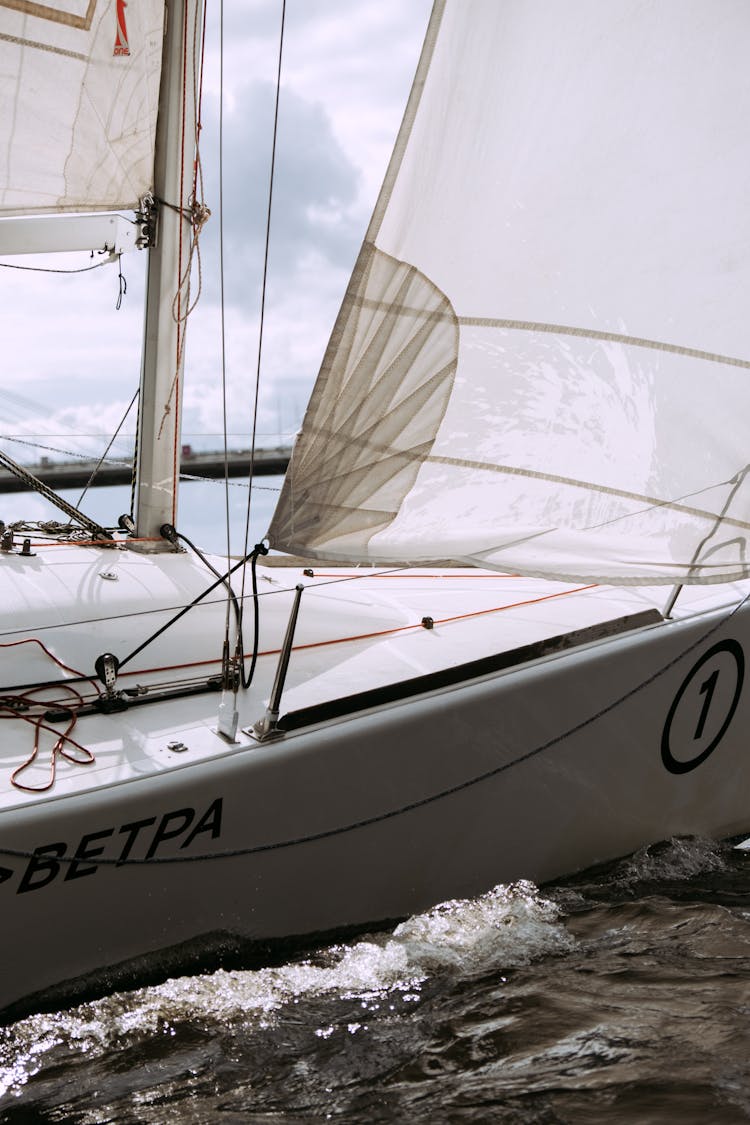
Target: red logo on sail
<point x="121" y="39"/>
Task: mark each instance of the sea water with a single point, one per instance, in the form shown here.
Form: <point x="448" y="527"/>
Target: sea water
<point x="621" y="995"/>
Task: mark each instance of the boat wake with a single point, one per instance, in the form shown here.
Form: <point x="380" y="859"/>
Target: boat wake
<point x="507" y="927"/>
<point x="518" y="1006"/>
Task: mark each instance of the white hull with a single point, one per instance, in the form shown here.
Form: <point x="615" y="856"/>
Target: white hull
<point x="367" y="811"/>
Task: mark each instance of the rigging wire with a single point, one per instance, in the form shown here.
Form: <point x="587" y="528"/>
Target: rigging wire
<point x="222" y="332"/>
<point x="47" y="269"/>
<point x="103" y="457"/>
<point x="220" y="581"/>
<point x="263" y="307"/>
<point x="67" y="452"/>
<point x="35" y="485"/>
<point x="232" y="601"/>
<point x="122" y="285"/>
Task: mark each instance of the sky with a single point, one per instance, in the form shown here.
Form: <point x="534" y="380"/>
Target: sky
<point x="71" y="359"/>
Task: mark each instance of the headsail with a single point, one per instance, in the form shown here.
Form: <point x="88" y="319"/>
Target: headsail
<point x="542" y="362"/>
<point x="79" y="86"/>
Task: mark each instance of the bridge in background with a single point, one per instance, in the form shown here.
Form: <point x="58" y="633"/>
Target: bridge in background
<point x="77" y="474"/>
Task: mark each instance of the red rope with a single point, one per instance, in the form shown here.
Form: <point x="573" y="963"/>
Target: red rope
<point x="51" y="655"/>
<point x="59" y="747"/>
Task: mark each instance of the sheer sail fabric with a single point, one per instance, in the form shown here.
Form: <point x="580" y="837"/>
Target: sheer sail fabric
<point x="79" y="86"/>
<point x="568" y="198"/>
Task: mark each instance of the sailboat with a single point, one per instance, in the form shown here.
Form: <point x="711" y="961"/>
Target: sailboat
<point x="503" y="626"/>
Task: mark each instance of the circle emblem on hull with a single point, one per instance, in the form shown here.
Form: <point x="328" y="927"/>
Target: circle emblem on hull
<point x="703" y="707"/>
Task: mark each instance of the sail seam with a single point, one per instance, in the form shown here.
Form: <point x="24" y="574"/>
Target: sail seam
<point x="552" y="329"/>
<point x="609" y="490"/>
<point x="333" y="436"/>
<point x="15" y="39"/>
<point x="610" y="337"/>
<point x="55" y="15"/>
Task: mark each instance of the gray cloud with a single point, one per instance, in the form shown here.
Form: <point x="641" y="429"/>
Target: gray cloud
<point x="315" y="185"/>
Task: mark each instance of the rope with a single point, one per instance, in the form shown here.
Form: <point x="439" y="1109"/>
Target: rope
<point x="411" y="806"/>
<point x="39" y="486"/>
<point x="123" y="285"/>
<point x="18" y="705"/>
<point x="59" y="749"/>
<point x="233" y="602"/>
<point x="220" y="581"/>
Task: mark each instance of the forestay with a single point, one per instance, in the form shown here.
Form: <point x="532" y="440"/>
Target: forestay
<point x="79" y="86"/>
<point x="542" y="361"/>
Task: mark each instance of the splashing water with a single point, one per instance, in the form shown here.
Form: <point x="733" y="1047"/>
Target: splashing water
<point x="510" y="925"/>
<point x="618" y="995"/>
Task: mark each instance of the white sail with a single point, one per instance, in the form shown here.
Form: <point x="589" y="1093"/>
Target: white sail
<point x="542" y="362"/>
<point x="79" y="86"/>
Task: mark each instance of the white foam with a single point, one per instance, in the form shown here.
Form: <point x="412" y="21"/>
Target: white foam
<point x="508" y="926"/>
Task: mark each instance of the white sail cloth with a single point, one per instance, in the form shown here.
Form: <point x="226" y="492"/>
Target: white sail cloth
<point x="542" y="362"/>
<point x="79" y="87"/>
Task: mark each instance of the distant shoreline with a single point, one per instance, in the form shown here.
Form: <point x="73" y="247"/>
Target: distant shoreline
<point x="77" y="474"/>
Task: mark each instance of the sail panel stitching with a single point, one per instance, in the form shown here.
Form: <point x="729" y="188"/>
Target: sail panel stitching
<point x="55" y="15"/>
<point x="18" y="42"/>
<point x="560" y="330"/>
<point x="488" y="466"/>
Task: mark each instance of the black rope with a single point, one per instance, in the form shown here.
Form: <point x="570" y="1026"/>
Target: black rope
<point x="411" y="806"/>
<point x="259" y="549"/>
<point x="123" y="285"/>
<point x="220" y="581"/>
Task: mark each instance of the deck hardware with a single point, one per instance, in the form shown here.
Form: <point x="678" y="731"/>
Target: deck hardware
<point x="169" y="532"/>
<point x="231" y="681"/>
<point x="26" y="550"/>
<point x="428" y="622"/>
<point x="227" y="719"/>
<point x="58" y="715"/>
<point x="676" y="590"/>
<point x="308" y="572"/>
<point x="126" y="523"/>
<point x="106" y="667"/>
<point x="110" y="575"/>
<point x="177" y="747"/>
<point x="6" y="541"/>
<point x="267" y="727"/>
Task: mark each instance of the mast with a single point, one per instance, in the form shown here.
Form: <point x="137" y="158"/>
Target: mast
<point x="158" y="442"/>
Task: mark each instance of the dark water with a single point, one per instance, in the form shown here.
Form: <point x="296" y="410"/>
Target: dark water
<point x="620" y="996"/>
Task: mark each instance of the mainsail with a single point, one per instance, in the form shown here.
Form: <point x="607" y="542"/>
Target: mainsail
<point x="542" y="362"/>
<point x="79" y="86"/>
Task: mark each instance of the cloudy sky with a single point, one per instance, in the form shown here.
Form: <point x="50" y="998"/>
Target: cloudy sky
<point x="71" y="361"/>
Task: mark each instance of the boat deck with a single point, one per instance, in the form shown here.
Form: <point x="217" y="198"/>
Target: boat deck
<point x="359" y="633"/>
